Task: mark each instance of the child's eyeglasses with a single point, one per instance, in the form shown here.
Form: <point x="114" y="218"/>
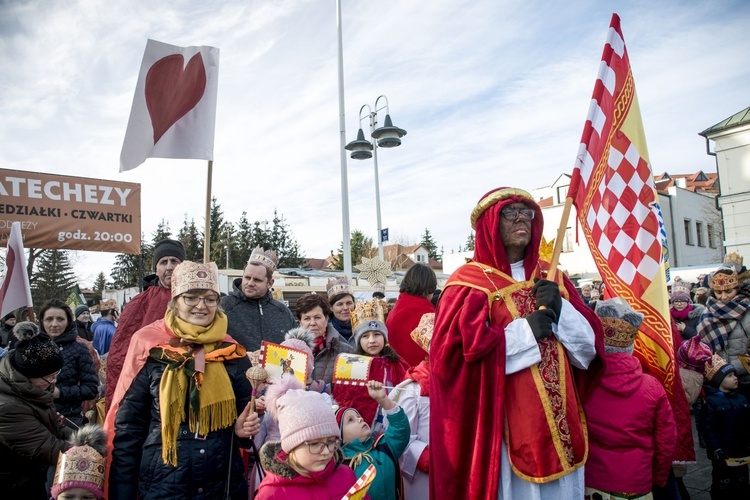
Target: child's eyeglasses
<point x="316" y="448"/>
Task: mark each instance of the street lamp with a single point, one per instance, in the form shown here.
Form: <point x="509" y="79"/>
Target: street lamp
<point x="386" y="136"/>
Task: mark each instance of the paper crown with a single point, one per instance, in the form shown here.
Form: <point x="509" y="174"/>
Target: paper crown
<point x="422" y="334"/>
<point x="107" y="304"/>
<point x="81" y="466"/>
<point x="367" y="311"/>
<point x="193" y="276"/>
<point x="379" y="287"/>
<point x="618" y="332"/>
<point x="721" y="282"/>
<point x="733" y="260"/>
<point x="715" y="366"/>
<point x="266" y="258"/>
<point x="680" y="287"/>
<point x="337" y="286"/>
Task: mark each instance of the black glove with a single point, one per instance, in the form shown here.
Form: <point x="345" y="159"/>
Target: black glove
<point x="720" y="455"/>
<point x="548" y="295"/>
<point x="541" y="323"/>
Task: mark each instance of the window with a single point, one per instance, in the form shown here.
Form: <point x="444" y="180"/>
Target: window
<point x="711" y="236"/>
<point x="568" y="241"/>
<point x="699" y="233"/>
<point x="688" y="239"/>
<point x="562" y="193"/>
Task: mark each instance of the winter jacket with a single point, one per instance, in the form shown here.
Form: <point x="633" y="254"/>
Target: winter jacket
<point x="84" y="330"/>
<point x="283" y="483"/>
<point x="417" y="408"/>
<point x="143" y="309"/>
<point x="396" y="438"/>
<point x="738" y="343"/>
<point x="632" y="433"/>
<point x="103" y="330"/>
<point x="202" y="464"/>
<point x="78" y="380"/>
<point x="30" y="440"/>
<point x="254" y="320"/>
<point x="6" y="335"/>
<point x="691" y="323"/>
<point x="382" y="370"/>
<point x="325" y="360"/>
<point x="401" y="321"/>
<point x="725" y="421"/>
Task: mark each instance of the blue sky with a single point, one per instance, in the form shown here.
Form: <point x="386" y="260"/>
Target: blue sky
<point x="491" y="93"/>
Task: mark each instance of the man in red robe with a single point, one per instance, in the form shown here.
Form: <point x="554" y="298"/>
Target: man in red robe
<point x="511" y="354"/>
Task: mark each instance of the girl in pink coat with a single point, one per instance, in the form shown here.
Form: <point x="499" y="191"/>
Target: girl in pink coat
<point x="307" y="461"/>
<point x="632" y="433"/>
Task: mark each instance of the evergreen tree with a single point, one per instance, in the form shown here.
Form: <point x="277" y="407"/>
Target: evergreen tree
<point x="361" y="246"/>
<point x="284" y="243"/>
<point x="470" y="243"/>
<point x="430" y="245"/>
<point x="127" y="270"/>
<point x="54" y="277"/>
<point x="216" y="226"/>
<point x="243" y="243"/>
<point x="99" y="285"/>
<point x="192" y="240"/>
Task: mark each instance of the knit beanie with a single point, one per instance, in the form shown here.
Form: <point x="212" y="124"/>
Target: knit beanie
<point x="81" y="309"/>
<point x="35" y="355"/>
<point x="680" y="291"/>
<point x="300" y="338"/>
<point x="172" y="248"/>
<point x="84" y="464"/>
<point x="340" y="418"/>
<point x="693" y="354"/>
<point x="302" y="416"/>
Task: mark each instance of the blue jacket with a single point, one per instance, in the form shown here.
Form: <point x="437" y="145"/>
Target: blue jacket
<point x="725" y="423"/>
<point x="103" y="330"/>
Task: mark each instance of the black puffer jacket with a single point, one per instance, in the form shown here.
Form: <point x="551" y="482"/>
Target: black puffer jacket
<point x="725" y="420"/>
<point x="137" y="469"/>
<point x="251" y="321"/>
<point x="78" y="380"/>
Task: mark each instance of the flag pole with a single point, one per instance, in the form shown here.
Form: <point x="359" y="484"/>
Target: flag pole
<point x="207" y="233"/>
<point x="559" y="240"/>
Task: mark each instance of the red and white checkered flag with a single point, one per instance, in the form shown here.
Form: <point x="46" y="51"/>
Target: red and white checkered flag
<point x="613" y="190"/>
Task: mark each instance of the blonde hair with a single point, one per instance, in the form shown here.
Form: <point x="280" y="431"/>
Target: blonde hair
<point x="295" y="466"/>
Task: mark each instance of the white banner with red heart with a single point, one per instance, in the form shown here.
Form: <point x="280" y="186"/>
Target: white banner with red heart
<point x="174" y="107"/>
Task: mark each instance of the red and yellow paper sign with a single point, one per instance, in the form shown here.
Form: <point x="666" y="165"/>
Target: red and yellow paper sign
<point x="279" y="359"/>
<point x="359" y="490"/>
<point x="351" y="369"/>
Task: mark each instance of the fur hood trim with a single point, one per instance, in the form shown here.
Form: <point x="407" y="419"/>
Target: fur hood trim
<point x="271" y="460"/>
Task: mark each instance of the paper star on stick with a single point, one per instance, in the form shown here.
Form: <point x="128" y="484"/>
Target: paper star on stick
<point x="546" y="249"/>
<point x="374" y="270"/>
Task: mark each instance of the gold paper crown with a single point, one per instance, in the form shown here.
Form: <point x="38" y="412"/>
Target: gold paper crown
<point x="721" y="282"/>
<point x="107" y="304"/>
<point x="193" y="276"/>
<point x="734" y="259"/>
<point x="367" y="311"/>
<point x="379" y="287"/>
<point x="82" y="464"/>
<point x="618" y="332"/>
<point x="713" y="366"/>
<point x="266" y="258"/>
<point x="337" y="286"/>
<point x="422" y="334"/>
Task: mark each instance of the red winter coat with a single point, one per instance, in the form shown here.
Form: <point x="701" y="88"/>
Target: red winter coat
<point x="145" y="308"/>
<point x="632" y="434"/>
<point x="401" y="321"/>
<point x="283" y="483"/>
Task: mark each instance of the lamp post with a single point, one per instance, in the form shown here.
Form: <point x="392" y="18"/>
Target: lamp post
<point x="386" y="136"/>
<point x="346" y="243"/>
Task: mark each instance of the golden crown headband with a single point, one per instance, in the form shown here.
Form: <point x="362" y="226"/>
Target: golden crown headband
<point x="337" y="286"/>
<point x="193" y="276"/>
<point x="81" y="464"/>
<point x="266" y="258"/>
<point x="494" y="197"/>
<point x="734" y="258"/>
<point x="721" y="282"/>
<point x="714" y="366"/>
<point x="618" y="332"/>
<point x="367" y="311"/>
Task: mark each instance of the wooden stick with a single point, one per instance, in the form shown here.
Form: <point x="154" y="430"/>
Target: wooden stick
<point x="207" y="233"/>
<point x="559" y="240"/>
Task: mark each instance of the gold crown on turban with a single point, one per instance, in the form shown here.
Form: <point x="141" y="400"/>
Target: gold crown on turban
<point x="193" y="276"/>
<point x="368" y="311"/>
<point x="337" y="286"/>
<point x="422" y="334"/>
<point x="494" y="197"/>
<point x="618" y="332"/>
<point x="721" y="282"/>
<point x="713" y="366"/>
<point x="734" y="259"/>
<point x="266" y="258"/>
<point x="82" y="464"/>
<point x="107" y="304"/>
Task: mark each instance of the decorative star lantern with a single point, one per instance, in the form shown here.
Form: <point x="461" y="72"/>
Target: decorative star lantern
<point x="374" y="270"/>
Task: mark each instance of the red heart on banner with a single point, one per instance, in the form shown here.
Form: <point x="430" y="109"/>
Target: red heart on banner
<point x="171" y="91"/>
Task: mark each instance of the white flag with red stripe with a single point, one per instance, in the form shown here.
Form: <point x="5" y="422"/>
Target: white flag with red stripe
<point x="174" y="107"/>
<point x="618" y="207"/>
<point x="15" y="291"/>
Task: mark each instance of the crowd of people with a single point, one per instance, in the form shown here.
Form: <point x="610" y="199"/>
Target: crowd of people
<point x="517" y="385"/>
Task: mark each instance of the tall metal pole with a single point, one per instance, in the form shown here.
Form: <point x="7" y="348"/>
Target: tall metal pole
<point x="373" y="125"/>
<point x="342" y="151"/>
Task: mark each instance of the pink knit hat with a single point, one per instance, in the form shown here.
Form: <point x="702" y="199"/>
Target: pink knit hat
<point x="303" y="416"/>
<point x="693" y="354"/>
<point x="301" y="338"/>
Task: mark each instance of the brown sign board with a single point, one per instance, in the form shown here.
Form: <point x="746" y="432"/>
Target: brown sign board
<point x="71" y="213"/>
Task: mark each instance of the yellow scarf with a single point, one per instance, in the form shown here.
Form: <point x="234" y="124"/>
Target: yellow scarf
<point x="211" y="397"/>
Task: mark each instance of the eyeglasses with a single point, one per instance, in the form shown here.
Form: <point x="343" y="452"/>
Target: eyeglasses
<point x="193" y="301"/>
<point x="316" y="448"/>
<point x="679" y="302"/>
<point x="513" y="213"/>
<point x="53" y="377"/>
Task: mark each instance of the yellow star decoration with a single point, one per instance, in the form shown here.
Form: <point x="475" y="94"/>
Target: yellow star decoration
<point x="374" y="270"/>
<point x="546" y="248"/>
